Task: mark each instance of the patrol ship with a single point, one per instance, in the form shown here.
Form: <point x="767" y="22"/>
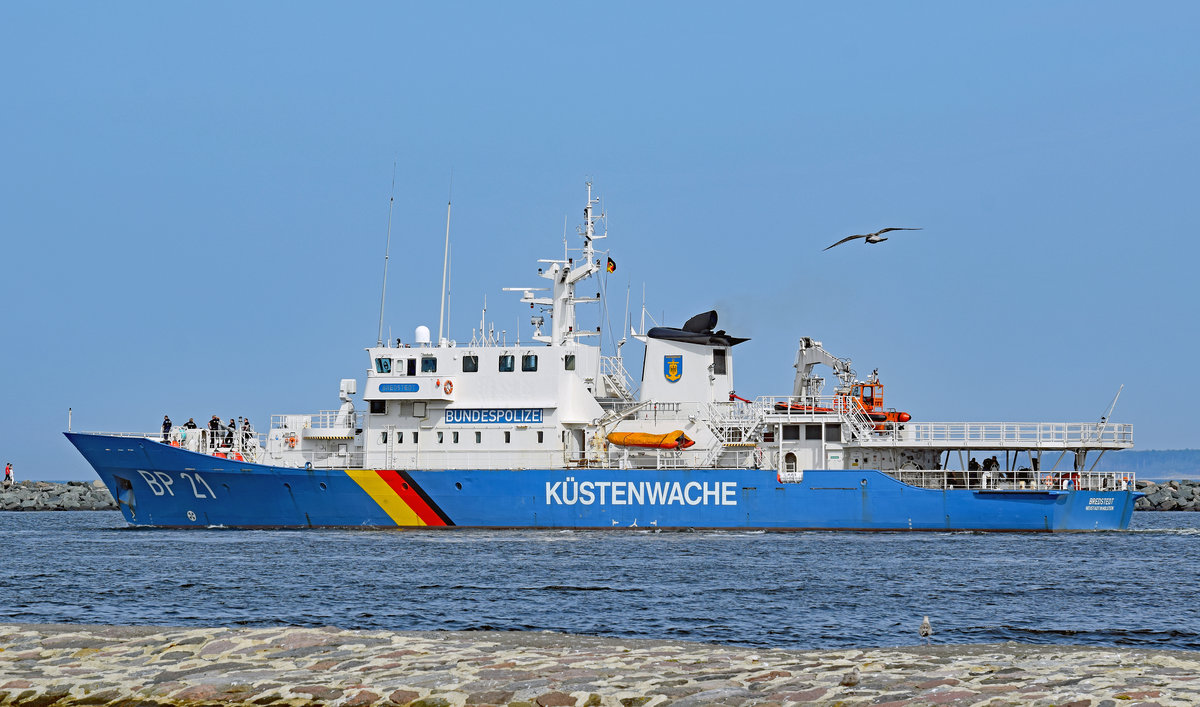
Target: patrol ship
<point x="552" y="433"/>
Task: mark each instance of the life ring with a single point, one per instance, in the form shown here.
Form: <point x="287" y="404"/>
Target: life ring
<point x="448" y="387"/>
<point x="291" y="442"/>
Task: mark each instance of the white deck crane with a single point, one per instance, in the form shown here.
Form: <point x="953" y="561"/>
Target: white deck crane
<point x="810" y="353"/>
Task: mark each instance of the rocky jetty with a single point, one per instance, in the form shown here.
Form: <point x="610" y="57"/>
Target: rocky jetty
<point x="49" y="665"/>
<point x="49" y="496"/>
<point x="1169" y="496"/>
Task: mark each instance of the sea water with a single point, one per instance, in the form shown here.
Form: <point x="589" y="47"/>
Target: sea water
<point x="788" y="590"/>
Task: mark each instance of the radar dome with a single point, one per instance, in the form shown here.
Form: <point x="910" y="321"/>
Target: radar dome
<point x="422" y="335"/>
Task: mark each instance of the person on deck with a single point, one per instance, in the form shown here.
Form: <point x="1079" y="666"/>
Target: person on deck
<point x="229" y="432"/>
<point x="214" y="425"/>
<point x="166" y="427"/>
<point x="190" y="424"/>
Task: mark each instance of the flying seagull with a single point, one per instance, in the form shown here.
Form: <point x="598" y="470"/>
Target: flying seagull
<point x="872" y="237"/>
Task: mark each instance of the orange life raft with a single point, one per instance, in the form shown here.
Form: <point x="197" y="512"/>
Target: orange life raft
<point x="671" y="440"/>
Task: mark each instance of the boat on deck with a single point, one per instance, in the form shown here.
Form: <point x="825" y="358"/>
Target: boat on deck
<point x="551" y="432"/>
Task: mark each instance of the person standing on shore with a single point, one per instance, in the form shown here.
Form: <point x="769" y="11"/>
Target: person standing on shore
<point x="8" y="475"/>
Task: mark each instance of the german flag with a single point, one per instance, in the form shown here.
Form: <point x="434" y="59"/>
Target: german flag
<point x="400" y="497"/>
<point x="612" y="265"/>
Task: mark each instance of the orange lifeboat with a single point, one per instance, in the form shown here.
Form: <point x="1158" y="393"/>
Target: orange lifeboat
<point x="671" y="440"/>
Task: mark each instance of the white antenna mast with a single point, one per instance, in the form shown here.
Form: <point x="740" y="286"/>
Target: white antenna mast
<point x="625" y="328"/>
<point x="386" y="251"/>
<point x="445" y="263"/>
<point x="1108" y="413"/>
<point x="643" y="308"/>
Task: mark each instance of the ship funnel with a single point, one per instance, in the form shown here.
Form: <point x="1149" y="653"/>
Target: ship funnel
<point x="421" y="336"/>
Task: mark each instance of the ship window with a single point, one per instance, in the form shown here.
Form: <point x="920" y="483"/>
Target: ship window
<point x="791" y="432"/>
<point x="833" y="432"/>
<point x="383" y="365"/>
<point x="789" y="462"/>
<point x="454" y="437"/>
<point x="529" y="363"/>
<point x="507" y="436"/>
<point x="540" y="437"/>
<point x="569" y="362"/>
<point x="378" y="407"/>
<point x="399" y="438"/>
<point x="812" y="432"/>
<point x="383" y="437"/>
<point x="440" y="439"/>
<point x="478" y="436"/>
<point x="719" y="362"/>
<point x="869" y="395"/>
<point x="507" y="363"/>
<point x="470" y="364"/>
<point x="428" y="364"/>
<point x="415" y="433"/>
<point x="412" y="366"/>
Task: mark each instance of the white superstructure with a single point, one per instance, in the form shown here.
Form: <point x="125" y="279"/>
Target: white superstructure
<point x="552" y="400"/>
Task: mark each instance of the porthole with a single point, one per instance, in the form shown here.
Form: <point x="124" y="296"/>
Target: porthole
<point x="458" y="485"/>
<point x="323" y="486"/>
<point x="405" y="486"/>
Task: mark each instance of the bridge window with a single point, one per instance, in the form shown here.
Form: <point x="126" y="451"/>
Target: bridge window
<point x="718" y="362"/>
<point x="378" y="407"/>
<point x="454" y="437"/>
<point x="412" y="366"/>
<point x="415" y="433"/>
<point x="791" y="432"/>
<point x="507" y="363"/>
<point x="569" y="362"/>
<point x="833" y="432"/>
<point x="470" y="364"/>
<point x="440" y="438"/>
<point x="540" y="437"/>
<point x="400" y="437"/>
<point x="507" y="436"/>
<point x="428" y="364"/>
<point x="478" y="437"/>
<point x="383" y="365"/>
<point x="812" y="432"/>
<point x="529" y="363"/>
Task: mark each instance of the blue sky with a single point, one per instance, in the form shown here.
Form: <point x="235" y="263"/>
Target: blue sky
<point x="193" y="196"/>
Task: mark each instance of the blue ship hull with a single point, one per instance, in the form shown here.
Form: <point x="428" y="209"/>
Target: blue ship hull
<point x="164" y="486"/>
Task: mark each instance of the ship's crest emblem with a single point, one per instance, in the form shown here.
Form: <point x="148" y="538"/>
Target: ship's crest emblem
<point x="673" y="367"/>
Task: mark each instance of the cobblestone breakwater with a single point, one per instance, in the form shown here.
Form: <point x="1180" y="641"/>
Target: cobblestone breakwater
<point x="49" y="496"/>
<point x="47" y="665"/>
<point x="1181" y="495"/>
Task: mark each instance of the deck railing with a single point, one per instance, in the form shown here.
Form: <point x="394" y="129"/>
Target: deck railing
<point x="1016" y="434"/>
<point x="1023" y="480"/>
